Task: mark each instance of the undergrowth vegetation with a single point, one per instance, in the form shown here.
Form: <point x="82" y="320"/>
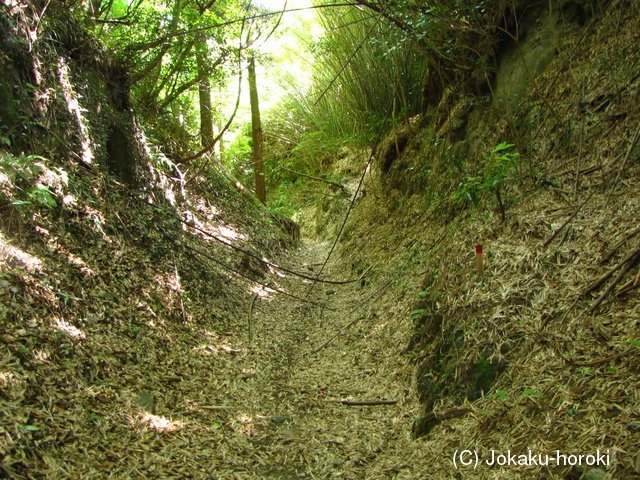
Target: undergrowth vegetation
<point x="503" y="168"/>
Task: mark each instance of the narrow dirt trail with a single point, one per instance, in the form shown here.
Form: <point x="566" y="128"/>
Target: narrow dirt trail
<point x="294" y="425"/>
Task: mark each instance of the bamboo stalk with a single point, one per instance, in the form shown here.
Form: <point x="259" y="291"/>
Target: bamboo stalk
<point x="604" y="278"/>
<point x="627" y="267"/>
<point x="313" y="178"/>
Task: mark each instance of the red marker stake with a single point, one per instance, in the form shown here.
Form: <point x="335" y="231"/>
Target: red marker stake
<point x="479" y="259"/>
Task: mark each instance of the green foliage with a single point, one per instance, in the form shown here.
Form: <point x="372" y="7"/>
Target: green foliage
<point x="531" y="391"/>
<point x="283" y="201"/>
<point x="239" y="156"/>
<point x="365" y="78"/>
<point x="178" y="54"/>
<point x="94" y="417"/>
<point x="586" y="371"/>
<point x="501" y="170"/>
<point x="363" y="69"/>
<point x="483" y="374"/>
<point x="499" y="394"/>
<point x="417" y="314"/>
<point x="22" y="173"/>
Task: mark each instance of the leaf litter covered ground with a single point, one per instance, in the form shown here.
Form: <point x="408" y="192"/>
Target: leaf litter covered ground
<point x="126" y="354"/>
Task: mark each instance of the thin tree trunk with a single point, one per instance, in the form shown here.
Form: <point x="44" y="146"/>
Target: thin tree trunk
<point x="256" y="133"/>
<point x="221" y="145"/>
<point x="204" y="93"/>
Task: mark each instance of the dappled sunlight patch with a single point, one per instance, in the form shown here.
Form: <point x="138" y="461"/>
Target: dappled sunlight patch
<point x="168" y="281"/>
<point x="249" y="372"/>
<point x="8" y="380"/>
<point x="41" y="356"/>
<point x="210" y="211"/>
<point x="77" y="261"/>
<point x="245" y="419"/>
<point x="220" y="229"/>
<point x="146" y="308"/>
<point x="5" y="184"/>
<point x="155" y="324"/>
<point x="272" y="270"/>
<point x="161" y="423"/>
<point x="42" y="231"/>
<point x="262" y="291"/>
<point x="69" y="201"/>
<point x="229" y="233"/>
<point x="54" y="180"/>
<point x="247" y="425"/>
<point x="377" y="329"/>
<point x="72" y="258"/>
<point x="98" y="220"/>
<point x="17" y="257"/>
<point x="76" y="110"/>
<point x="173" y="283"/>
<point x="216" y="349"/>
<point x="69" y="329"/>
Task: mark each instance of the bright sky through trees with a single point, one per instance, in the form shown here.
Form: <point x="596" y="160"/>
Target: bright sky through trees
<point x="287" y="48"/>
<point x="284" y="56"/>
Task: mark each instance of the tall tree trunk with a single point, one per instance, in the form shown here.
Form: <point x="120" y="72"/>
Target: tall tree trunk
<point x="256" y="133"/>
<point x="204" y="93"/>
<point x="221" y="145"/>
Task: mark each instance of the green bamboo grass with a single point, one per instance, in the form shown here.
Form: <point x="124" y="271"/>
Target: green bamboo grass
<point x="363" y="67"/>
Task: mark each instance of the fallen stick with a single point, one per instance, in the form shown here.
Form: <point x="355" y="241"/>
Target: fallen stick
<point x="604" y="360"/>
<point x="455" y="412"/>
<point x="425" y="424"/>
<point x="314" y="178"/>
<point x="627" y="267"/>
<point x="618" y="245"/>
<point x="634" y="141"/>
<point x="253" y="302"/>
<point x="555" y="234"/>
<point x="365" y="402"/>
<point x="629" y="286"/>
<point x="604" y="278"/>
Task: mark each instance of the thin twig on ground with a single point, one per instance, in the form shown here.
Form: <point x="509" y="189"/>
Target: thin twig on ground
<point x="621" y="242"/>
<point x="253" y="302"/>
<point x="555" y="234"/>
<point x="634" y="141"/>
<point x="604" y="277"/>
<point x="627" y="267"/>
<point x="365" y="402"/>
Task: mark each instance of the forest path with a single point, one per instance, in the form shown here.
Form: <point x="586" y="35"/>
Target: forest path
<point x="305" y="359"/>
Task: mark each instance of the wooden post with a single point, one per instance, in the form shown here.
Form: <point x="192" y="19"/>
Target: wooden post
<point x="479" y="260"/>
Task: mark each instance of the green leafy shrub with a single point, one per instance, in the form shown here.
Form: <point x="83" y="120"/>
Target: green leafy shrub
<point x="501" y="170"/>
